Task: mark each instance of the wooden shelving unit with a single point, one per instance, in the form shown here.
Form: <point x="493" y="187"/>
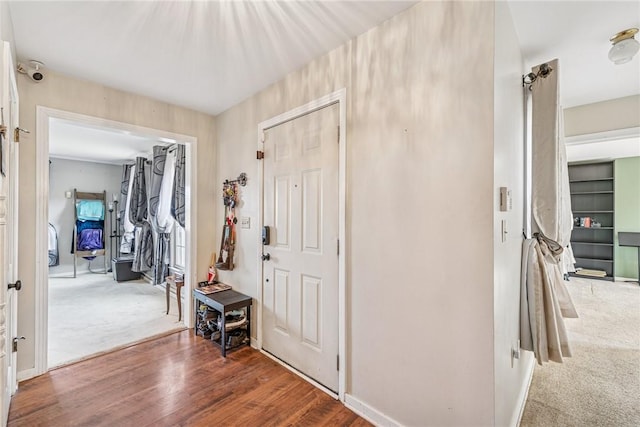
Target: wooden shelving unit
<point x="593" y="197"/>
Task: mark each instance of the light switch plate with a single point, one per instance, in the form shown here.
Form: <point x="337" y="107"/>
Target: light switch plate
<point x="245" y="222"/>
<point x="505" y="199"/>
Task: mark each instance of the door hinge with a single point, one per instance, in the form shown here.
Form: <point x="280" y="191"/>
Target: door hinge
<point x="338" y="134"/>
<point x="337" y="362"/>
<point x="14" y="347"/>
<point x="259" y="155"/>
<point x="3" y="128"/>
<point x="338" y="247"/>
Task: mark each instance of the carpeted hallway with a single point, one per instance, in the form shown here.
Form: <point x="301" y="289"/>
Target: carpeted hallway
<point x="93" y="313"/>
<point x="600" y="384"/>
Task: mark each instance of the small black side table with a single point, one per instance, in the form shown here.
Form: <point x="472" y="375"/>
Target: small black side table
<point x="224" y="302"/>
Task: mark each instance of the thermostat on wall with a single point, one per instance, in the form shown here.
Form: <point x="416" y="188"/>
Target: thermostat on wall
<point x="505" y="199"/>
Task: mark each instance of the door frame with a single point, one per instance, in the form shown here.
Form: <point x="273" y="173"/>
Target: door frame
<point x="43" y="116"/>
<point x="10" y="97"/>
<point x="14" y="197"/>
<point x="338" y="97"/>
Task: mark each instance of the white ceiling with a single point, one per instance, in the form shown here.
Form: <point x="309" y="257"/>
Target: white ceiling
<point x="210" y="55"/>
<point x="73" y="141"/>
<point x="577" y="33"/>
<point x="205" y="55"/>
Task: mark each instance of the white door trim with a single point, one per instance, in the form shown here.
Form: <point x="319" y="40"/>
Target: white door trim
<point x="43" y="116"/>
<point x="337" y="97"/>
<point x="14" y="121"/>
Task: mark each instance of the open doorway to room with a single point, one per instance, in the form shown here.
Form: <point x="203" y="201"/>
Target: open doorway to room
<point x="106" y="279"/>
<point x="604" y="172"/>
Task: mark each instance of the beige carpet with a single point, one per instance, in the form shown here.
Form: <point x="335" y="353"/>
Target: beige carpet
<point x="600" y="384"/>
<point x="93" y="314"/>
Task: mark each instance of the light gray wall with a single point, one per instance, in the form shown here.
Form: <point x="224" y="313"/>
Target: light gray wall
<point x="420" y="207"/>
<point x="65" y="175"/>
<point x="511" y="375"/>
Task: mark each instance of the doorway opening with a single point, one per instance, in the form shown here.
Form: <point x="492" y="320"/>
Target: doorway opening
<point x="110" y="303"/>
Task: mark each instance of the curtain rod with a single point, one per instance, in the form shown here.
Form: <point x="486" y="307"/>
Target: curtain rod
<point x="171" y="148"/>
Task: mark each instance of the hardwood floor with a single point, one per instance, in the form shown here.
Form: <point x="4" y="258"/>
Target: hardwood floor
<point x="177" y="380"/>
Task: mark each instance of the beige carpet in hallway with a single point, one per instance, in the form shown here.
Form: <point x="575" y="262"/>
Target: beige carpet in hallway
<point x="93" y="313"/>
<point x="600" y="384"/>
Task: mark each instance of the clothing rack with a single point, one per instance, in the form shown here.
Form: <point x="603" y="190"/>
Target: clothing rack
<point x="78" y="196"/>
<point x="114" y="230"/>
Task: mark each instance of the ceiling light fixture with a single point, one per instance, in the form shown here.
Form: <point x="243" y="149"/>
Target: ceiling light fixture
<point x="624" y="46"/>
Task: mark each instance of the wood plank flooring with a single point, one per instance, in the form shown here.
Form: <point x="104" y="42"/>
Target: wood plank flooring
<point x="177" y="380"/>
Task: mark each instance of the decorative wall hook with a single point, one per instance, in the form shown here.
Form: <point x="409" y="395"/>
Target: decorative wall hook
<point x="241" y="179"/>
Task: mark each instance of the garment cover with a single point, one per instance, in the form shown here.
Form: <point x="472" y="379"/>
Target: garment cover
<point x="178" y="200"/>
<point x="126" y="242"/>
<point x="158" y="224"/>
<point x="138" y="194"/>
<point x="164" y="218"/>
<point x="143" y="255"/>
<point x="54" y="258"/>
<point x="124" y="189"/>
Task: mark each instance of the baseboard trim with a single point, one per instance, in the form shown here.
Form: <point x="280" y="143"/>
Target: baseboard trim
<point x="524" y="392"/>
<point x="370" y="414"/>
<point x="26" y="374"/>
<point x="255" y="344"/>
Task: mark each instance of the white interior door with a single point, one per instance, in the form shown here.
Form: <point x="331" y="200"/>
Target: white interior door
<point x="8" y="229"/>
<point x="300" y="280"/>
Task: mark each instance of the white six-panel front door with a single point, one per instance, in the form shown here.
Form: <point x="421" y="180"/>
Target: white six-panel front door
<point x="300" y="280"/>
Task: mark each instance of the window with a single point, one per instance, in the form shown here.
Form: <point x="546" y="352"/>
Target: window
<point x="178" y="251"/>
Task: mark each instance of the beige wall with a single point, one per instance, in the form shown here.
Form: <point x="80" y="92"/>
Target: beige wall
<point x="511" y="376"/>
<point x="421" y="203"/>
<point x="419" y="207"/>
<point x="78" y="96"/>
<point x="621" y="113"/>
<point x="237" y="131"/>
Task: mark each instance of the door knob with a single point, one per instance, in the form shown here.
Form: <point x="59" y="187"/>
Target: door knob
<point x="266" y="257"/>
<point x="17" y="285"/>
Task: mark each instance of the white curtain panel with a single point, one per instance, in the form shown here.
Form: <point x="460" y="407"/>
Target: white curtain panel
<point x="545" y="299"/>
<point x="551" y="205"/>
